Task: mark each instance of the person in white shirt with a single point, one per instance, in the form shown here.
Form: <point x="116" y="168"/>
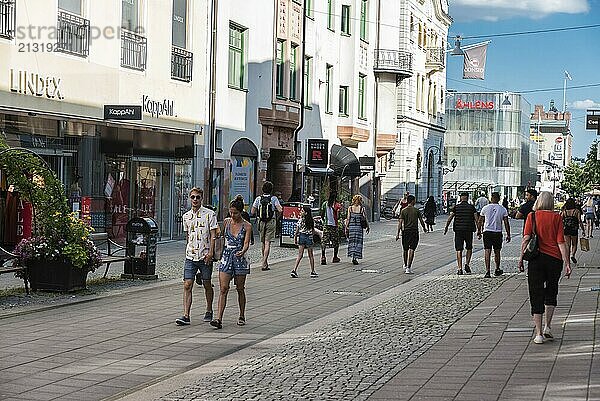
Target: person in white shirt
<point x="490" y="223"/>
<point x="200" y="225"/>
<point x="480" y="203"/>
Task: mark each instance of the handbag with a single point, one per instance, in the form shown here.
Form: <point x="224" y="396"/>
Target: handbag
<point x="219" y="245"/>
<point x="363" y="220"/>
<point x="584" y="244"/>
<point x="532" y="249"/>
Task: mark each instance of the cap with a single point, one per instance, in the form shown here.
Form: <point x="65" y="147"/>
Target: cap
<point x="464" y="194"/>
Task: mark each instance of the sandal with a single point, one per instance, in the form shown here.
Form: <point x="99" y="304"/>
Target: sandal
<point x="265" y="268"/>
<point x="241" y="321"/>
<point x="216" y="323"/>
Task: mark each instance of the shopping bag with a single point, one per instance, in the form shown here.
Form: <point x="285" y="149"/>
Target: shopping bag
<point x="584" y="244"/>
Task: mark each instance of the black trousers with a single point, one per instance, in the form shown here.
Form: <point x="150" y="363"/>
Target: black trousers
<point x="543" y="275"/>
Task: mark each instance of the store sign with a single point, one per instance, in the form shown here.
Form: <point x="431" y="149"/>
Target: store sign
<point x="367" y="163"/>
<point x="35" y="84"/>
<point x="558" y="140"/>
<point x="119" y="112"/>
<point x="157" y="108"/>
<point x="478" y="104"/>
<point x="592" y="121"/>
<point x="318" y="152"/>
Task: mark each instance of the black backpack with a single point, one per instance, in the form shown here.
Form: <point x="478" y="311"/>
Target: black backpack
<point x="265" y="209"/>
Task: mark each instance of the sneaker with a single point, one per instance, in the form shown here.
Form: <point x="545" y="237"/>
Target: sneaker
<point x="314" y="274"/>
<point x="323" y="261"/>
<point x="354" y="261"/>
<point x="498" y="272"/>
<point x="548" y="333"/>
<point x="459" y="272"/>
<point x="408" y="271"/>
<point x="293" y="274"/>
<point x="335" y="260"/>
<point x="241" y="321"/>
<point x="487" y="275"/>
<point x="208" y="316"/>
<point x="573" y="259"/>
<point x="538" y="339"/>
<point x="216" y="323"/>
<point x="467" y="269"/>
<point x="182" y="321"/>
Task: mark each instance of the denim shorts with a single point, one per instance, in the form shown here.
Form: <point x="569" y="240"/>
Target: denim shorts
<point x="305" y="239"/>
<point x="191" y="267"/>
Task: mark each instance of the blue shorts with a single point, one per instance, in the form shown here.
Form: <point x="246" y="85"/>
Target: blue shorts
<point x="191" y="267"/>
<point x="305" y="239"/>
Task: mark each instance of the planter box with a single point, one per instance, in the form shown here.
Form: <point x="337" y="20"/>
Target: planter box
<point x="55" y="276"/>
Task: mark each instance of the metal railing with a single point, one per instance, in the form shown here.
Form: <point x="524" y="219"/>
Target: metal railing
<point x="396" y="61"/>
<point x="73" y="34"/>
<point x="7" y="19"/>
<point x="435" y="56"/>
<point x="133" y="50"/>
<point x="181" y="64"/>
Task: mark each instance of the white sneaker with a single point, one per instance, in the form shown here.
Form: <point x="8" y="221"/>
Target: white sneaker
<point x="408" y="271"/>
<point x="538" y="339"/>
<point x="548" y="334"/>
<point x="404" y="267"/>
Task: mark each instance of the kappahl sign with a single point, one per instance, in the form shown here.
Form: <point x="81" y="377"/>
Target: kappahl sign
<point x="158" y="108"/>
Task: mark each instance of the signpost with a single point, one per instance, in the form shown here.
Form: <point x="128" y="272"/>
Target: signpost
<point x="317" y="152"/>
<point x="592" y="120"/>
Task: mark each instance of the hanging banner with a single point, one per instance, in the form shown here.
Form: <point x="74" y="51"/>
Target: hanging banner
<point x="474" y="64"/>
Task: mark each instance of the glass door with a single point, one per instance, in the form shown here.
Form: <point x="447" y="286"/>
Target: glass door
<point x="165" y="204"/>
<point x="154" y="194"/>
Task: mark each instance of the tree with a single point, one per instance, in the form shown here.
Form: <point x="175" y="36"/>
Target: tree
<point x="575" y="180"/>
<point x="592" y="167"/>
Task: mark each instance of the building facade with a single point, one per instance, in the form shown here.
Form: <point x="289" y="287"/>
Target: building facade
<point x="62" y="62"/>
<point x="411" y="87"/>
<point x="488" y="136"/>
<point x="551" y="131"/>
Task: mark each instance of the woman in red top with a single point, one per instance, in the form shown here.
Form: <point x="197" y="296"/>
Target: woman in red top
<point x="544" y="271"/>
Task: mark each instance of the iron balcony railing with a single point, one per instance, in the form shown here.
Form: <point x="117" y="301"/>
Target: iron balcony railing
<point x="73" y="34"/>
<point x="393" y="61"/>
<point x="435" y="57"/>
<point x="133" y="50"/>
<point x="7" y="19"/>
<point x="181" y="64"/>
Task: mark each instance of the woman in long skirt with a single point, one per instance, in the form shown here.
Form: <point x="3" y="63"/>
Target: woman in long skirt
<point x="354" y="228"/>
<point x="429" y="212"/>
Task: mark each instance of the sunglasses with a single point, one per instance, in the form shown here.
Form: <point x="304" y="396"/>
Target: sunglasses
<point x="193" y="197"/>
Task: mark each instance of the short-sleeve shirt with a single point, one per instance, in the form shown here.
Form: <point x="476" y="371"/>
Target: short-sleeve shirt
<point x="549" y="229"/>
<point x="480" y="203"/>
<point x="274" y="202"/>
<point x="464" y="217"/>
<point x="526" y="208"/>
<point x="410" y="215"/>
<point x="494" y="215"/>
<point x="302" y="229"/>
<point x="197" y="225"/>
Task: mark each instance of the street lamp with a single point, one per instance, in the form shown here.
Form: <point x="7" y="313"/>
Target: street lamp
<point x="453" y="164"/>
<point x="431" y="150"/>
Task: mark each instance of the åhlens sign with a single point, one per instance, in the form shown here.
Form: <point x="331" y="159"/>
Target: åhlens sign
<point x="478" y="104"/>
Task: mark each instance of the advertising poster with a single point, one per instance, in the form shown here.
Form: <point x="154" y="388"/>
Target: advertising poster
<point x="242" y="178"/>
<point x="86" y="210"/>
<point x="289" y="219"/>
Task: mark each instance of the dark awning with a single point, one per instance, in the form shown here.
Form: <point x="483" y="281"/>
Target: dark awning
<point x="319" y="170"/>
<point x="344" y="162"/>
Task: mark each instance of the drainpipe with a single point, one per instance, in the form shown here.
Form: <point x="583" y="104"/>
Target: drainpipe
<point x="375" y="111"/>
<point x="212" y="95"/>
<point x="302" y="100"/>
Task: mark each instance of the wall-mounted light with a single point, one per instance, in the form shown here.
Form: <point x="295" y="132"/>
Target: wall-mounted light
<point x="457" y="51"/>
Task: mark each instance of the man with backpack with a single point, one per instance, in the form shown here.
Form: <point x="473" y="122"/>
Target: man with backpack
<point x="264" y="208"/>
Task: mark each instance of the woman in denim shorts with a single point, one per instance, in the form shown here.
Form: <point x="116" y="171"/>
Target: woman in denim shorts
<point x="303" y="237"/>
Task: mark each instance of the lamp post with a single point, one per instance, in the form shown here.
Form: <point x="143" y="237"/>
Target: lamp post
<point x="429" y="153"/>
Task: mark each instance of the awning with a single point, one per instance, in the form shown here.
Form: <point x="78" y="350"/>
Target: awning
<point x="466" y="185"/>
<point x="344" y="162"/>
<point x="318" y="170"/>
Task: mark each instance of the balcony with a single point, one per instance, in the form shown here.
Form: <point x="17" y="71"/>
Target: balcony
<point x="435" y="58"/>
<point x="73" y="34"/>
<point x="385" y="143"/>
<point x="133" y="51"/>
<point x="394" y="62"/>
<point x="7" y="19"/>
<point x="181" y="64"/>
<point x="351" y="136"/>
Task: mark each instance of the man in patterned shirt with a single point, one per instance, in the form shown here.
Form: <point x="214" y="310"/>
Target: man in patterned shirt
<point x="200" y="225"/>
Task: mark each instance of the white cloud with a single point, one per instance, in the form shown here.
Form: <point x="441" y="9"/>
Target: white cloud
<point x="584" y="104"/>
<point x="494" y="10"/>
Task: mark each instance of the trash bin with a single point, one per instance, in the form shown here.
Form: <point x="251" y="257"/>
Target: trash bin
<point x="140" y="248"/>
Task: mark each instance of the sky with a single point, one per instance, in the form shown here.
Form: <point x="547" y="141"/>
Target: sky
<point x="534" y="61"/>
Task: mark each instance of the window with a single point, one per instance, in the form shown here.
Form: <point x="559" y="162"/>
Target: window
<point x="330" y="16"/>
<point x="130" y="15"/>
<point x="8" y="16"/>
<point x="328" y="79"/>
<point x="343" y="100"/>
<point x="72" y="6"/>
<point x="308" y="4"/>
<point x="418" y="97"/>
<point x="294" y="72"/>
<point x="423" y="97"/>
<point x="363" y="20"/>
<point x="237" y="56"/>
<point x="362" y="87"/>
<point x="307" y="81"/>
<point x="179" y="29"/>
<point x="218" y="140"/>
<point x="279" y="64"/>
<point x="345" y="28"/>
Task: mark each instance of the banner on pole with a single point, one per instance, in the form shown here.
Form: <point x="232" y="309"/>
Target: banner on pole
<point x="474" y="63"/>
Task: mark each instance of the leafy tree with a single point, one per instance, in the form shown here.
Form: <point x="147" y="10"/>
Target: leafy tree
<point x="592" y="167"/>
<point x="575" y="180"/>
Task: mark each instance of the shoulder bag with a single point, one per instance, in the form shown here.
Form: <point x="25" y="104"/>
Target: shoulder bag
<point x="219" y="244"/>
<point x="363" y="220"/>
<point x="532" y="249"/>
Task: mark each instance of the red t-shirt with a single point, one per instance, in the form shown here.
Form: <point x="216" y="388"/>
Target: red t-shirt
<point x="549" y="229"/>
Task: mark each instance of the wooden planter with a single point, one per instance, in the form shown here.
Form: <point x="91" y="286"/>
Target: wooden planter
<point x="55" y="275"/>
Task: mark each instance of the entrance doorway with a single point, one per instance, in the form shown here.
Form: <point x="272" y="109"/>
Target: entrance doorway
<point x="154" y="182"/>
